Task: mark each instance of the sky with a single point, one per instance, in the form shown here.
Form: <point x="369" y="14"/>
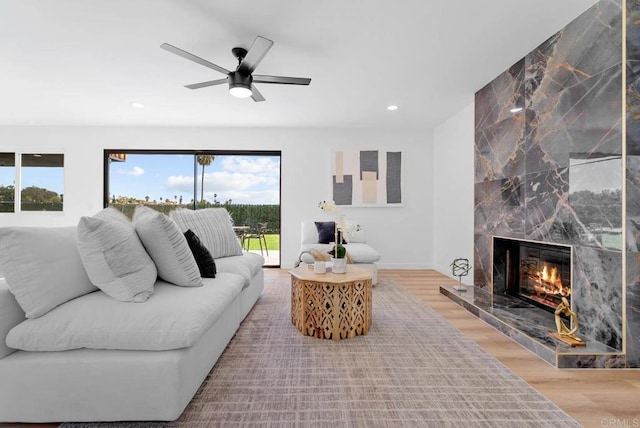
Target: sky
<point x="243" y="179"/>
<point x="48" y="178"/>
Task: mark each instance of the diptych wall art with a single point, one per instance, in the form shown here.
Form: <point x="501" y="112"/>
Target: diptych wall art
<point x="366" y="178"/>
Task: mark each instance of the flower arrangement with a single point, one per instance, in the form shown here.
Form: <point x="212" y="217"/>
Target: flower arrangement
<point x="343" y="227"/>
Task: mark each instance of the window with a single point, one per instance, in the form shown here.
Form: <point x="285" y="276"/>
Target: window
<point x="34" y="179"/>
<point x="7" y="182"/>
<point x="41" y="182"/>
<point x="247" y="184"/>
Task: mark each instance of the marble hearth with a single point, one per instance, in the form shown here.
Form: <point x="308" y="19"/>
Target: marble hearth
<point x="529" y="326"/>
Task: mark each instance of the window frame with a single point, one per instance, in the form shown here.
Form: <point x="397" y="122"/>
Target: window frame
<point x="17" y="196"/>
<point x="193" y="152"/>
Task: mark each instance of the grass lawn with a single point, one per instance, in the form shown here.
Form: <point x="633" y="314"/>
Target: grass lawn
<point x="273" y="243"/>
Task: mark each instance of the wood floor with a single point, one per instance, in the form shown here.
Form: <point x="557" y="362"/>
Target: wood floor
<point x="595" y="398"/>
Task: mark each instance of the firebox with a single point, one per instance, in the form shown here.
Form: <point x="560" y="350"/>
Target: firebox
<point x="536" y="272"/>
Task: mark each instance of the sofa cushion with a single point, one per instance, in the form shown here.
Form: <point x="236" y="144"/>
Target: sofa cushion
<point x="172" y="318"/>
<point x="247" y="265"/>
<point x="214" y="228"/>
<point x="42" y="267"/>
<point x="167" y="247"/>
<point x="114" y="257"/>
<point x="11" y="314"/>
<point x="204" y="260"/>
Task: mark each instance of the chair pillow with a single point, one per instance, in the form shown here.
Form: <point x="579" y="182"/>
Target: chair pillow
<point x="42" y="267"/>
<point x="326" y="231"/>
<point x="206" y="263"/>
<point x="167" y="247"/>
<point x="213" y="227"/>
<point x="114" y="257"/>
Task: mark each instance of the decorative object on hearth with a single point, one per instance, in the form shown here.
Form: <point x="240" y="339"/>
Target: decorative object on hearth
<point x="241" y="81"/>
<point x="564" y="333"/>
<point x="460" y="267"/>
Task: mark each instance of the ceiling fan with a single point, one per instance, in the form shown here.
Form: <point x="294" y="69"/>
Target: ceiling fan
<point x="241" y="81"/>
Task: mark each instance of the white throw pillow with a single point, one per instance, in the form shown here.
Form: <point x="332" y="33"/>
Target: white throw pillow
<point x="214" y="228"/>
<point x="42" y="267"/>
<point x="114" y="257"/>
<point x="167" y="247"/>
<point x="173" y="318"/>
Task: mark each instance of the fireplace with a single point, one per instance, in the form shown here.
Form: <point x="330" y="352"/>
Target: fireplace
<point x="535" y="272"/>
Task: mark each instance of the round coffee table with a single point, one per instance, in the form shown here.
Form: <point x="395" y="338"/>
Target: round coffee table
<point x="331" y="305"/>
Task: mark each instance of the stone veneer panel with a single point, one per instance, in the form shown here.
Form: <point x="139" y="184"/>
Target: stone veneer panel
<point x="555" y="173"/>
<point x="632" y="292"/>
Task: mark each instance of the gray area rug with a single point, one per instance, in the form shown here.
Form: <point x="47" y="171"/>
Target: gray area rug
<point x="413" y="369"/>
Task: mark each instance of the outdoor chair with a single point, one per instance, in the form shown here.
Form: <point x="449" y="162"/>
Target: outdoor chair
<point x="256" y="232"/>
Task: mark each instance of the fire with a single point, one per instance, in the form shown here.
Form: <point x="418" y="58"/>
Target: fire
<point x="551" y="278"/>
<point x="551" y="282"/>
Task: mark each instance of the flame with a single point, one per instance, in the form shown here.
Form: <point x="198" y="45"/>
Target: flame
<point x="551" y="281"/>
<point x="552" y="277"/>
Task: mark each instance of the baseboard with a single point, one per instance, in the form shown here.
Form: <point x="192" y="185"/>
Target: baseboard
<point x="407" y="266"/>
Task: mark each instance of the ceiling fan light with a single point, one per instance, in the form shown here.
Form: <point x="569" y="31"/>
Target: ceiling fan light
<point x="240" y="91"/>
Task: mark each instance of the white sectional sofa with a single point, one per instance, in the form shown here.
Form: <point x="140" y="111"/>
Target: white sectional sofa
<point x="357" y="248"/>
<point x="72" y="352"/>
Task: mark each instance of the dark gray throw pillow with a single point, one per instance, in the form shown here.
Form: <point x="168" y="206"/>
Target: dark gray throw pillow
<point x="203" y="257"/>
<point x="327" y="232"/>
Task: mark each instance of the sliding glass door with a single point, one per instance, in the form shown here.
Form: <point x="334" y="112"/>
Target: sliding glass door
<point x="247" y="184"/>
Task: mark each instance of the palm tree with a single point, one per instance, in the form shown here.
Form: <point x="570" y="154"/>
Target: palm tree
<point x="204" y="160"/>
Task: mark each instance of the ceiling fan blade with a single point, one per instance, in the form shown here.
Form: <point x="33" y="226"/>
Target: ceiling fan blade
<point x="255" y="54"/>
<point x="192" y="57"/>
<point x="255" y="94"/>
<point x="205" y="84"/>
<point x="258" y="78"/>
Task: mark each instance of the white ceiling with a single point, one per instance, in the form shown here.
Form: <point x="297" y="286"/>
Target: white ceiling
<point x="83" y="62"/>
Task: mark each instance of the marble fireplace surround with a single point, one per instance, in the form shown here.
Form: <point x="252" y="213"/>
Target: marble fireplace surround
<point x="565" y="169"/>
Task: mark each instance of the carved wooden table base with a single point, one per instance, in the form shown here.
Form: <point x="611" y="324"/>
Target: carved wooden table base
<point x="331" y="306"/>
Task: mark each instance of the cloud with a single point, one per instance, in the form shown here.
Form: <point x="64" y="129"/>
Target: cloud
<point x="136" y="171"/>
<point x="257" y="165"/>
<point x="243" y="179"/>
<point x="180" y="183"/>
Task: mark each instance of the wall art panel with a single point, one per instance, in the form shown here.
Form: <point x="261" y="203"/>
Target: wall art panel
<point x="367" y="178"/>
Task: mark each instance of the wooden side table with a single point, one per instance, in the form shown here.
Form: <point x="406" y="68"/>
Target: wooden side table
<point x="331" y="305"/>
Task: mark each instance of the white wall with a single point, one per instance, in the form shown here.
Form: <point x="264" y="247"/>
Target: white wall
<point x="403" y="235"/>
<point x="453" y="195"/>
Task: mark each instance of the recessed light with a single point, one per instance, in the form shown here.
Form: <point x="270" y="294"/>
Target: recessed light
<point x="516" y="109"/>
<point x="137" y="105"/>
<point x="392" y="108"/>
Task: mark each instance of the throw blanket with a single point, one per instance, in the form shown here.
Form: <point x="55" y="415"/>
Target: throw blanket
<point x="323" y="256"/>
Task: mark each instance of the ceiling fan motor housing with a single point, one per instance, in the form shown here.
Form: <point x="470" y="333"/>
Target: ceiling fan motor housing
<point x="237" y="79"/>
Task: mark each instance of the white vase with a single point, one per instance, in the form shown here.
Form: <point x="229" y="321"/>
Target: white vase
<point x="338" y="265"/>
